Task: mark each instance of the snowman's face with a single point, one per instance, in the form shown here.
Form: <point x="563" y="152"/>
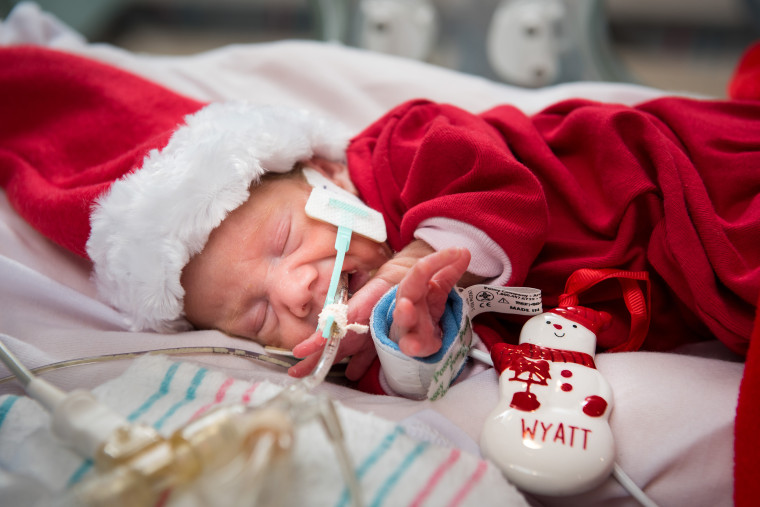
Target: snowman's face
<point x="557" y="332"/>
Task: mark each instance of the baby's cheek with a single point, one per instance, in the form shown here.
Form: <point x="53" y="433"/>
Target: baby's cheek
<point x="289" y="336"/>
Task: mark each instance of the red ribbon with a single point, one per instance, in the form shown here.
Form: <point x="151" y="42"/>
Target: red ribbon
<point x="638" y="305"/>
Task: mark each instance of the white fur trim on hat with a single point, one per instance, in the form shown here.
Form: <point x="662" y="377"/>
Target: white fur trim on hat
<point x="145" y="229"/>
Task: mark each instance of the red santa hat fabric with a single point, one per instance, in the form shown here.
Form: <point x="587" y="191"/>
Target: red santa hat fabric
<point x="133" y="176"/>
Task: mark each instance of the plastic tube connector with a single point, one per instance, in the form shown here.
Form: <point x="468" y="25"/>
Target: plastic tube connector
<point x="84" y="423"/>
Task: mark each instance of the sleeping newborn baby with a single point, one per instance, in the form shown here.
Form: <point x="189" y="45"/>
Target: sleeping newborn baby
<point x="264" y="274"/>
<point x="174" y="203"/>
<point x="193" y="214"/>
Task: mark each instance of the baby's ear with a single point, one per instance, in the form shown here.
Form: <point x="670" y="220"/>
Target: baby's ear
<point x="337" y="172"/>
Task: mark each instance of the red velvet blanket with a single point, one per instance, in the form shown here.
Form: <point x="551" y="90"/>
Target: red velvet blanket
<point x="745" y="84"/>
<point x="669" y="186"/>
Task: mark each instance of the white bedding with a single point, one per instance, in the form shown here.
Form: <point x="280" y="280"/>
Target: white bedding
<point x="673" y="416"/>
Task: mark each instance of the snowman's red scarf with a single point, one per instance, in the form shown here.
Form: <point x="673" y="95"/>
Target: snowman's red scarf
<point x="503" y="354"/>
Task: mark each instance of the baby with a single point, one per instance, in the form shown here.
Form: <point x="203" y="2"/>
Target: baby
<point x="193" y="213"/>
<point x="273" y="291"/>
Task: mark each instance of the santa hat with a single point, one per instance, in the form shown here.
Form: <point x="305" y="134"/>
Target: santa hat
<point x="134" y="176"/>
<point x="592" y="320"/>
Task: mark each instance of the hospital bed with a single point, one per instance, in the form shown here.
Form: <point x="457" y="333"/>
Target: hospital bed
<point x="674" y="413"/>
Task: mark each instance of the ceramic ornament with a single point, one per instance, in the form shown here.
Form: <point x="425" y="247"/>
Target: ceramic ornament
<point x="550" y="431"/>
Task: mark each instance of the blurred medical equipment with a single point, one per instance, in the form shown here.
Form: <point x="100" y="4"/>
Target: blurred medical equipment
<point x="276" y="359"/>
<point x="523" y="42"/>
<point x="232" y="455"/>
<point x="398" y="27"/>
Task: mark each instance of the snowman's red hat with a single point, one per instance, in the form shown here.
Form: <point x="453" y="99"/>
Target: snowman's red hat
<point x="593" y="320"/>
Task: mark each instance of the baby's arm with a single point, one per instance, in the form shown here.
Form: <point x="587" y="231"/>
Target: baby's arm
<point x="360" y="306"/>
<point x="392" y="273"/>
<point x="421" y="300"/>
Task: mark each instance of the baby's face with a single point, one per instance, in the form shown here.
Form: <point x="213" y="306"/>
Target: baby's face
<point x="265" y="271"/>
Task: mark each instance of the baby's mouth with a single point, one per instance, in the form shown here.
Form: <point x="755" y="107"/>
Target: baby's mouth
<point x="356" y="280"/>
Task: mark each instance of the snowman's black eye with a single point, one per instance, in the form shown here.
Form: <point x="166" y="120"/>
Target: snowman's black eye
<point x="575" y="325"/>
<point x="548" y="322"/>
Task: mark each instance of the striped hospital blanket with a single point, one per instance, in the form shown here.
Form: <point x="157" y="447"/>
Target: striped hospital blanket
<point x="393" y="468"/>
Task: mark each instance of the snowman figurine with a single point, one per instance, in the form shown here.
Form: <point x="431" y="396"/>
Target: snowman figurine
<point x="550" y="431"/>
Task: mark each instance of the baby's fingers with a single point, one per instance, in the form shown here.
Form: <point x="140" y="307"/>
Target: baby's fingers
<point x="448" y="276"/>
<point x="442" y="283"/>
<point x="303" y="368"/>
<point x="310" y="345"/>
<point x="415" y="284"/>
<point x="405" y="315"/>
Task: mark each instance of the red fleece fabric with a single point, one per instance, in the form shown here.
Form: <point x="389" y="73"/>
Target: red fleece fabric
<point x="747" y="428"/>
<point x="66" y="136"/>
<point x="668" y="187"/>
<point x="745" y="84"/>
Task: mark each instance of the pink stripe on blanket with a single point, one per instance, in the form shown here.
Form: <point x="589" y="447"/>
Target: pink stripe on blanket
<point x="249" y="392"/>
<point x="436" y="477"/>
<point x="471" y="482"/>
<point x="218" y="398"/>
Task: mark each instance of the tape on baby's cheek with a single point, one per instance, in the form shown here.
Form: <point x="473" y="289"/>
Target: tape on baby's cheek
<point x="430" y="377"/>
<point x="331" y="204"/>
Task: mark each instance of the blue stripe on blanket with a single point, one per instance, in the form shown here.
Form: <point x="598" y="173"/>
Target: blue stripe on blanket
<point x="392" y="479"/>
<point x="373" y="457"/>
<point x="163" y="390"/>
<point x="6" y="406"/>
<point x="189" y="396"/>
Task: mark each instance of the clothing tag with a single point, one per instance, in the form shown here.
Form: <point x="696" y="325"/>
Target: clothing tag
<point x="490" y="298"/>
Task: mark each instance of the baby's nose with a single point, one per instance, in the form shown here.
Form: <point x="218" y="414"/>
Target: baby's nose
<point x="558" y="326"/>
<point x="295" y="291"/>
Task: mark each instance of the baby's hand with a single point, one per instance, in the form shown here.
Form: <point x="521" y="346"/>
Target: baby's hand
<point x="360" y="347"/>
<point x="421" y="300"/>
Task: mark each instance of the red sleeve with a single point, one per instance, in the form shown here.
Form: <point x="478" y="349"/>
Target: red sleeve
<point x="425" y="160"/>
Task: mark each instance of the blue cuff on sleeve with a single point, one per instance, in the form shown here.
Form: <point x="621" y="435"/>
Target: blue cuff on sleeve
<point x="382" y="317"/>
<point x="400" y="370"/>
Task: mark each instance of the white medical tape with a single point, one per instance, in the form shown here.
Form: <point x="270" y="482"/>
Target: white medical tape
<point x="339" y="313"/>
